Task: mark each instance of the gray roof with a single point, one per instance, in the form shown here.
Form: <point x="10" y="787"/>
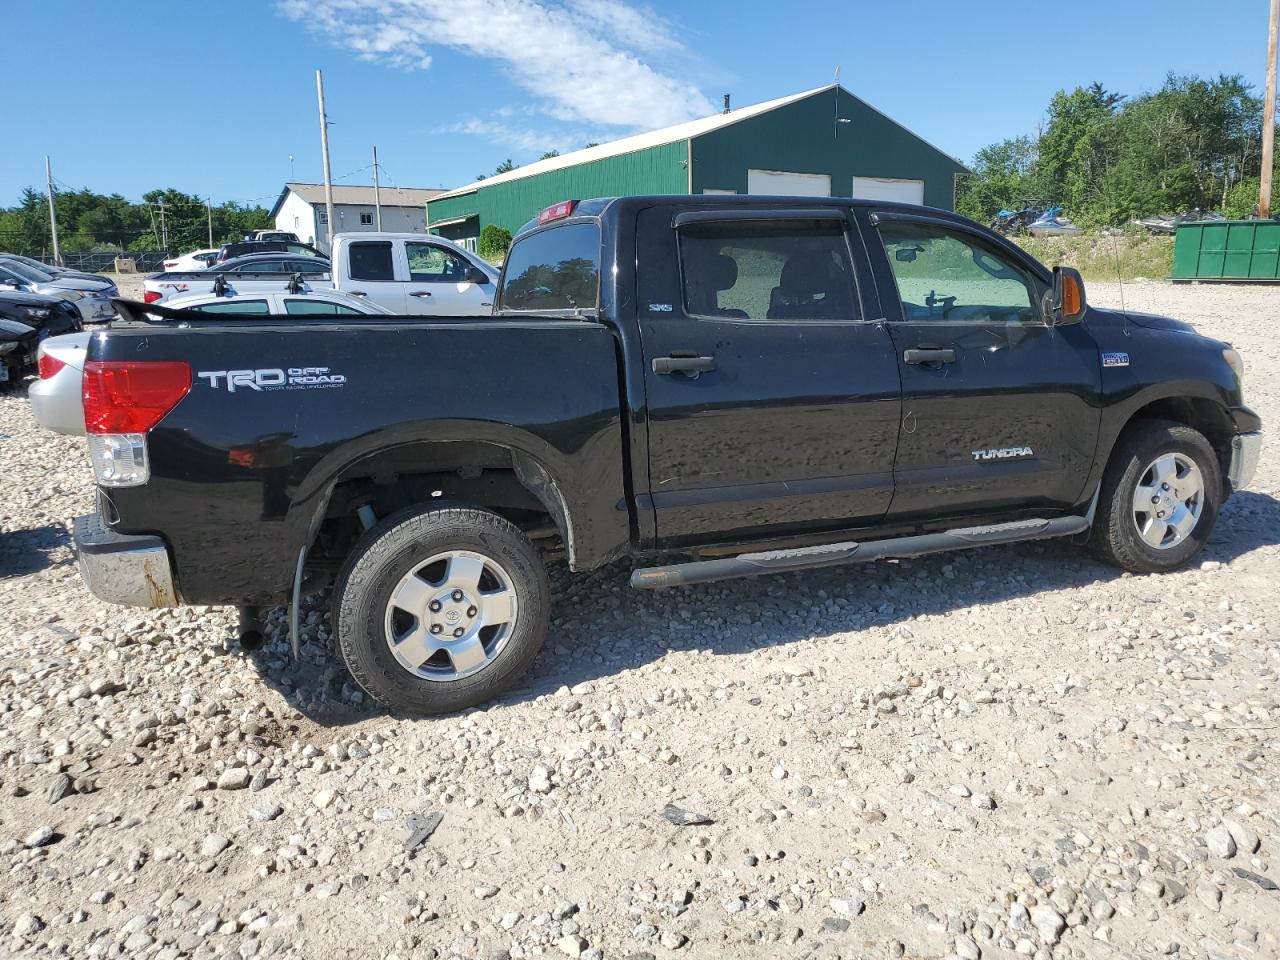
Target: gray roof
<point x="351" y="194"/>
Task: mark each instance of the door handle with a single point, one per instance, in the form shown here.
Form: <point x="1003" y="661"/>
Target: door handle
<point x="927" y="355"/>
<point x="358" y="293"/>
<point x="689" y="365"/>
<point x="420" y="293"/>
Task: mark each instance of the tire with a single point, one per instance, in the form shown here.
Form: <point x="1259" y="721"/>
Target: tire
<point x="505" y="607"/>
<point x="1118" y="528"/>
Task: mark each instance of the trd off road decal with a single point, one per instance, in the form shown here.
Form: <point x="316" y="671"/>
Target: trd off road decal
<point x="273" y="378"/>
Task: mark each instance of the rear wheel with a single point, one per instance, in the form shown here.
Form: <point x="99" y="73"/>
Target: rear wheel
<point x="1159" y="499"/>
<point x="441" y="608"/>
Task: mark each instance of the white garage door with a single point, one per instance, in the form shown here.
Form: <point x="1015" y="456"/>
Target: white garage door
<point x="779" y="183"/>
<point x="887" y="188"/>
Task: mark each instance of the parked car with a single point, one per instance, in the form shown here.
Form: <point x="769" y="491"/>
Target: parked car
<point x="253" y="273"/>
<point x="771" y="384"/>
<point x="52" y="269"/>
<point x="195" y="260"/>
<point x="275" y="235"/>
<point x="411" y="273"/>
<point x="92" y="297"/>
<point x="27" y="320"/>
<point x="239" y="248"/>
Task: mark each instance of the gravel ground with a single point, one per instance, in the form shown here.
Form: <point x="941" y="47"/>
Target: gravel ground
<point x="1012" y="751"/>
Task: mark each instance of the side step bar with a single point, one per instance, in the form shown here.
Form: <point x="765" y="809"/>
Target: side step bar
<point x="834" y="554"/>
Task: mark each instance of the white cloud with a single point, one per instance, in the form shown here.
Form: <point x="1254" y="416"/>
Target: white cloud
<point x="584" y="59"/>
<point x="520" y="138"/>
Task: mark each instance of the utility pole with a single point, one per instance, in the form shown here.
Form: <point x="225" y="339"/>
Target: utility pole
<point x="377" y="202"/>
<point x="164" y="230"/>
<point x="1269" y="117"/>
<point x="208" y="205"/>
<point x="53" y="215"/>
<point x="324" y="153"/>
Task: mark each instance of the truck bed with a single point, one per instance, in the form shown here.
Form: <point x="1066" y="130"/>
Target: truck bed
<point x="245" y="464"/>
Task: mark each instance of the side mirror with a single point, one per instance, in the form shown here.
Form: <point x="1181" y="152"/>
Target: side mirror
<point x="1067" y="303"/>
<point x="476" y="275"/>
<point x="906" y="254"/>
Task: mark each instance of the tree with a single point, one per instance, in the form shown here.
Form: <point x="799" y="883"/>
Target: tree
<point x="506" y="166"/>
<point x="1108" y="159"/>
<point x="549" y="154"/>
<point x="1002" y="179"/>
<point x="89" y="221"/>
<point x="494" y="242"/>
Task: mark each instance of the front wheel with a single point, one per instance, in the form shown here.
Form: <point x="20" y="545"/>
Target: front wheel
<point x="440" y="608"/>
<point x="1160" y="498"/>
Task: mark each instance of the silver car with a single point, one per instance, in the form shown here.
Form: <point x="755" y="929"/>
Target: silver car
<point x="91" y="297"/>
<point x="55" y="397"/>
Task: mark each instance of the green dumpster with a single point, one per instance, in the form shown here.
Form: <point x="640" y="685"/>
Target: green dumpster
<point x="1227" y="250"/>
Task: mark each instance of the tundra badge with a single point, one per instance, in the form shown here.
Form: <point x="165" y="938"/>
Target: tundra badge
<point x="1002" y="453"/>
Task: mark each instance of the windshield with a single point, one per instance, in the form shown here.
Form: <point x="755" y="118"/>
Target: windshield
<point x="28" y="272"/>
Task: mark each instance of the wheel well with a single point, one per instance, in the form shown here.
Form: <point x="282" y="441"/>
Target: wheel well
<point x="478" y="474"/>
<point x="1199" y="414"/>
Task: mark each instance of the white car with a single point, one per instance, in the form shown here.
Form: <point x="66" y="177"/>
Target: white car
<point x="317" y="303"/>
<point x="195" y="260"/>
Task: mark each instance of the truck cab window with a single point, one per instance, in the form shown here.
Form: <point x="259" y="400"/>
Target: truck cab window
<point x="767" y="270"/>
<point x="431" y="263"/>
<point x="946" y="276"/>
<point x="371" y="260"/>
<point x="553" y="269"/>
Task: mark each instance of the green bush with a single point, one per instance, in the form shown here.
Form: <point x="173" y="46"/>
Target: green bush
<point x="494" y="242"/>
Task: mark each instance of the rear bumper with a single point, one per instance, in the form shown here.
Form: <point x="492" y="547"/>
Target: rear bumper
<point x="130" y="570"/>
<point x="1245" y="450"/>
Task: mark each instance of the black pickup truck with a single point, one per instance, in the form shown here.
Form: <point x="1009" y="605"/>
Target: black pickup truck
<point x="723" y="386"/>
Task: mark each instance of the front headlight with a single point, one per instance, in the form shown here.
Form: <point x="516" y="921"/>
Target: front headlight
<point x="38" y="313"/>
<point x="1236" y="363"/>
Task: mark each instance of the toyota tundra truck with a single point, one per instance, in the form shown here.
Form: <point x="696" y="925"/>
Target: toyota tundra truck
<point x="711" y="387"/>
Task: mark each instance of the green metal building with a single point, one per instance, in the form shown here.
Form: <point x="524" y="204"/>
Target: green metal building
<point x="822" y="142"/>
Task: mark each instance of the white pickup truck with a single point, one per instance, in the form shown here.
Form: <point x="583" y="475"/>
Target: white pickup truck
<point x="408" y="273"/>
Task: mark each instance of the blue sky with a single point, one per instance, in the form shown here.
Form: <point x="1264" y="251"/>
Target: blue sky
<point x="212" y="98"/>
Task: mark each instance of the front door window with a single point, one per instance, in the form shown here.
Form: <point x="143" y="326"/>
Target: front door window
<point x="947" y="276"/>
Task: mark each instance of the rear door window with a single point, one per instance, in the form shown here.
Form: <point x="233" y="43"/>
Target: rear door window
<point x="780" y="269"/>
<point x="297" y="307"/>
<point x="372" y="260"/>
<point x="554" y="269"/>
<point x="234" y="306"/>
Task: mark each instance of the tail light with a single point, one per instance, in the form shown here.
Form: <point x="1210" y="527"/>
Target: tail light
<point x="48" y="365"/>
<point x="557" y="211"/>
<point x="123" y="399"/>
<point x="170" y="264"/>
<point x="151" y="296"/>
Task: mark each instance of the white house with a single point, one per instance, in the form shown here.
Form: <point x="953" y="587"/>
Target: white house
<point x="300" y="209"/>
